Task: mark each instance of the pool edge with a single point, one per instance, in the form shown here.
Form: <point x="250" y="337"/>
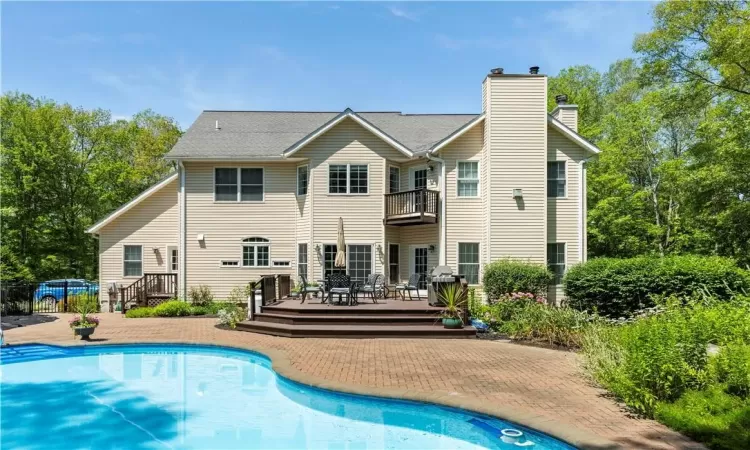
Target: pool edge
<point x="283" y="367"/>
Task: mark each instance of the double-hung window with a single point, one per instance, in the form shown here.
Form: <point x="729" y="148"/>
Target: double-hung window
<point x="347" y="179"/>
<point x="256" y="252"/>
<point x="556" y="179"/>
<point x="467" y="179"/>
<point x="302" y="177"/>
<point x="132" y="260"/>
<point x="556" y="260"/>
<point x="394" y="179"/>
<point x="468" y="261"/>
<point x="302" y="260"/>
<point x="238" y="184"/>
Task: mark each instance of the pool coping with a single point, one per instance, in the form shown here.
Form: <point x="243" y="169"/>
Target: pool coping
<point x="283" y="366"/>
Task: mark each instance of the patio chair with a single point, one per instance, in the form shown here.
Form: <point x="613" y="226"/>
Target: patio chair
<point x="411" y="285"/>
<point x="340" y="284"/>
<point x="305" y="288"/>
<point x="371" y="286"/>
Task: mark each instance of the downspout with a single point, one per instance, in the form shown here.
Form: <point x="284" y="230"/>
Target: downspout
<point x="183" y="232"/>
<point x="443" y="191"/>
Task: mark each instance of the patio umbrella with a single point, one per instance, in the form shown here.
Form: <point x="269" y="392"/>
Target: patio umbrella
<point x="340" y="245"/>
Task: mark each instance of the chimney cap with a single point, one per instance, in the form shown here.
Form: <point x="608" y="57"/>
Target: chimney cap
<point x="534" y="70"/>
<point x="561" y="99"/>
<point x="496" y="71"/>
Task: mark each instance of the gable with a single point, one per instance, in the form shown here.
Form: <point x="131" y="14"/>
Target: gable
<point x="349" y="141"/>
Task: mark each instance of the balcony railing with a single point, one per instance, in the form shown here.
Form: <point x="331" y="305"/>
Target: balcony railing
<point x="413" y="207"/>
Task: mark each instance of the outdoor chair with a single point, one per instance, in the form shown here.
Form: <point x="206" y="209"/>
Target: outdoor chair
<point x="411" y="285"/>
<point x="371" y="286"/>
<point x="340" y="284"/>
<point x="305" y="288"/>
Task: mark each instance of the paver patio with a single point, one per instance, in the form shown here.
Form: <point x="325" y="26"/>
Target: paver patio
<point x="539" y="387"/>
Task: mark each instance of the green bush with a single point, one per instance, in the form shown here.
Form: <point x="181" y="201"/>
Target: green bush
<point x="199" y="310"/>
<point x="200" y="295"/>
<point x="619" y="287"/>
<point x="138" y="313"/>
<point x="732" y="367"/>
<point x="231" y="314"/>
<point x="174" y="308"/>
<point x="660" y="357"/>
<point x="239" y="294"/>
<point x="506" y="276"/>
<point x="719" y="420"/>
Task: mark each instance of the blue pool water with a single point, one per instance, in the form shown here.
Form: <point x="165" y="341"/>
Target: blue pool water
<point x="180" y="396"/>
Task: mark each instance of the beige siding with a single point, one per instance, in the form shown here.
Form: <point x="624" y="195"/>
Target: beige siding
<point x="465" y="218"/>
<point x="153" y="224"/>
<point x="224" y="225"/>
<point x="563" y="214"/>
<point x="348" y="143"/>
<point x="517" y="123"/>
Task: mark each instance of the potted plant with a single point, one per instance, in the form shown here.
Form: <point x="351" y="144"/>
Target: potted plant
<point x="453" y="298"/>
<point x="83" y="324"/>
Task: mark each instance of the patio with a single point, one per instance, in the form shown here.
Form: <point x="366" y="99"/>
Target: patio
<point x="537" y="387"/>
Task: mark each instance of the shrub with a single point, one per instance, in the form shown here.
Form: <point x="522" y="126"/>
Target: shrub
<point x="732" y="367"/>
<point x="712" y="416"/>
<point x="174" y="308"/>
<point x="75" y="299"/>
<point x="507" y="276"/>
<point x="231" y="314"/>
<point x="200" y="295"/>
<point x="137" y="313"/>
<point x="239" y="294"/>
<point x="618" y="287"/>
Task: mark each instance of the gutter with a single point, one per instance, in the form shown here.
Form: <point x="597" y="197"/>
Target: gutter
<point x="183" y="231"/>
<point x="443" y="191"/>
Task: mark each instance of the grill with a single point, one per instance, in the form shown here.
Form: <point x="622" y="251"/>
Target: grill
<point x="440" y="277"/>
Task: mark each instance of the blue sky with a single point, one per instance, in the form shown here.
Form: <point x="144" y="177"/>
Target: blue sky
<point x="181" y="58"/>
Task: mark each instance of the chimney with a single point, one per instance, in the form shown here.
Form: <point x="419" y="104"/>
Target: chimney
<point x="217" y="125"/>
<point x="534" y="70"/>
<point x="565" y="113"/>
<point x="496" y="71"/>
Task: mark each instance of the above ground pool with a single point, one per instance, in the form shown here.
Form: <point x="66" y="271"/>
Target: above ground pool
<point x="180" y="396"/>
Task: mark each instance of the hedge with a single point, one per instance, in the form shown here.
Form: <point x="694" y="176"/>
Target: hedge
<point x="618" y="287"/>
<point x="506" y="276"/>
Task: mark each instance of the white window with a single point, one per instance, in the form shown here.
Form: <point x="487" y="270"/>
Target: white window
<point x="256" y="252"/>
<point x="360" y="262"/>
<point x="556" y="179"/>
<point x="468" y="261"/>
<point x="302" y="260"/>
<point x="556" y="260"/>
<point x="282" y="263"/>
<point x="173" y="260"/>
<point x="467" y="179"/>
<point x="238" y="184"/>
<point x="329" y="259"/>
<point x="230" y="263"/>
<point x="394" y="179"/>
<point x="132" y="260"/>
<point x="302" y="177"/>
<point x="347" y="179"/>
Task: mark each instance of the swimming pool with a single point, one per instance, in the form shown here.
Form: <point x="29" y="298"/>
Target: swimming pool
<point x="185" y="396"/>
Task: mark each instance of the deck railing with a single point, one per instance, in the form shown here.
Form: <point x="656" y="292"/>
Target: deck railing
<point x="415" y="202"/>
<point x="150" y="284"/>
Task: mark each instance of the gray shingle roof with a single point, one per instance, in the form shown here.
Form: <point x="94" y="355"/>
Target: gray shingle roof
<point x="266" y="134"/>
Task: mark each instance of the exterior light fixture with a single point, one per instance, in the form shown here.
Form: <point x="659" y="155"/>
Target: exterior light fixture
<point x="517" y="193"/>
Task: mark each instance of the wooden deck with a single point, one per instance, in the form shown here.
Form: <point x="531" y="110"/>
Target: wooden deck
<point x="391" y="318"/>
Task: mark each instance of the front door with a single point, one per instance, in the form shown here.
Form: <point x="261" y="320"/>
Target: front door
<point x="419" y="264"/>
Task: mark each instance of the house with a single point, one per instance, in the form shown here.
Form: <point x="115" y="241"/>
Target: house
<point x="258" y="192"/>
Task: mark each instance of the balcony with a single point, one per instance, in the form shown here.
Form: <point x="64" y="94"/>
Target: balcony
<point x="416" y="207"/>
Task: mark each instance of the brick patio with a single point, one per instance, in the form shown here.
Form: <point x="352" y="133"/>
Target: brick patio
<point x="537" y="387"/>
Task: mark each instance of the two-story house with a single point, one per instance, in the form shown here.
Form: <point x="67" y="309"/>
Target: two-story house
<point x="259" y="192"/>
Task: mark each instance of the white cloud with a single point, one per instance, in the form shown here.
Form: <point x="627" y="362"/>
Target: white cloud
<point x="584" y="17"/>
<point x="76" y="39"/>
<point x="403" y="13"/>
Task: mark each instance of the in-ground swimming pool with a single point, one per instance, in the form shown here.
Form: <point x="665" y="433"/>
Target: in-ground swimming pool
<point x="180" y="396"/>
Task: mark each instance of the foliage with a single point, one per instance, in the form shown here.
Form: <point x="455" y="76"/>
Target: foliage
<point x="618" y="287"/>
<point x="239" y="294"/>
<point x="200" y="295"/>
<point x="719" y="420"/>
<point x="453" y="298"/>
<point x="231" y="314"/>
<point x="140" y="312"/>
<point x="523" y="318"/>
<point x="732" y="367"/>
<point x="74" y="300"/>
<point x="660" y="357"/>
<point x="199" y="310"/>
<point x="64" y="168"/>
<point x="507" y="276"/>
<point x="84" y="322"/>
<point x="174" y="308"/>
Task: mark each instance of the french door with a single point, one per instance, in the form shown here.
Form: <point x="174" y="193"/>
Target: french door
<point x="419" y="264"/>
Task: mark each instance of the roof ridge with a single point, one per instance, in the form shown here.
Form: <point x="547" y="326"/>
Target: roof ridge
<point x="295" y="111"/>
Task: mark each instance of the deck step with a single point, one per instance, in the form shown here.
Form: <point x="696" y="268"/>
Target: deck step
<point x="436" y="331"/>
<point x="406" y="318"/>
<point x="415" y="308"/>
